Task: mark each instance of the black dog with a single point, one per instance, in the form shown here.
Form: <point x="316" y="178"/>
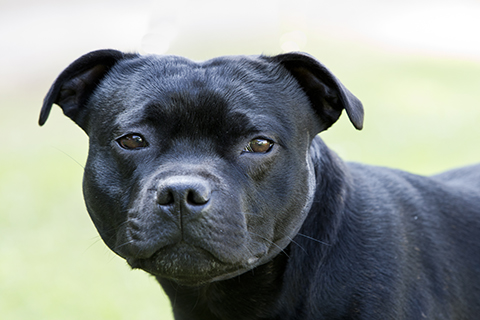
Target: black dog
<point x="211" y="177"/>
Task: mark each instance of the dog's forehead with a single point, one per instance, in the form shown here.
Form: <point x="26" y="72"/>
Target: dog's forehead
<point x="214" y="95"/>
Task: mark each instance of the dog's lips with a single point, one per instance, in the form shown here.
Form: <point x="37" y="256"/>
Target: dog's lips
<point x="190" y="265"/>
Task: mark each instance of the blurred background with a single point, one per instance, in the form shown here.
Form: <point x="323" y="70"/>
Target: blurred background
<point x="415" y="64"/>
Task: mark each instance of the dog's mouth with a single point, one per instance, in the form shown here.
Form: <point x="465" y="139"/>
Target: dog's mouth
<point x="189" y="265"/>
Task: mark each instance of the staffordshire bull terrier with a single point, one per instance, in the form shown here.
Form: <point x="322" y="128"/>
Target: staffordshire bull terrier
<point x="211" y="177"/>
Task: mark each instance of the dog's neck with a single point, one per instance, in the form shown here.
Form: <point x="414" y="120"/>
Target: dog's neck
<point x="333" y="185"/>
<point x="252" y="295"/>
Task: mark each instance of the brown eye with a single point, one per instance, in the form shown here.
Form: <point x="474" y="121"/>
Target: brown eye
<point x="259" y="146"/>
<point x="132" y="141"/>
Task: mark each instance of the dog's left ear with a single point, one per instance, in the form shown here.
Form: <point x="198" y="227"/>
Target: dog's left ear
<point x="74" y="86"/>
<point x="326" y="93"/>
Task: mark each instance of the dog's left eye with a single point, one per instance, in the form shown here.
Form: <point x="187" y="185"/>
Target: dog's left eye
<point x="259" y="146"/>
<point x="132" y="141"/>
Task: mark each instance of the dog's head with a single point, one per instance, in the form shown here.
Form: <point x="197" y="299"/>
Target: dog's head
<point x="199" y="171"/>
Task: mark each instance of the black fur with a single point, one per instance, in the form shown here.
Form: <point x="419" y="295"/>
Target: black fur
<point x="291" y="232"/>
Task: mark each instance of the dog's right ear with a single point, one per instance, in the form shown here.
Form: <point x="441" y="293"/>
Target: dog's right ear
<point x="327" y="94"/>
<point x="74" y="86"/>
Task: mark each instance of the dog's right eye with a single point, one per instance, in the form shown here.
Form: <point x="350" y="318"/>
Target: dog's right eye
<point x="258" y="145"/>
<point x="132" y="141"/>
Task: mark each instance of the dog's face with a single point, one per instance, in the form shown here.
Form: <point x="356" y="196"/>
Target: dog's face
<point x="199" y="171"/>
<point x="186" y="171"/>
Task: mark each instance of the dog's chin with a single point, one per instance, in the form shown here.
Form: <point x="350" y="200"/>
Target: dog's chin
<point x="191" y="266"/>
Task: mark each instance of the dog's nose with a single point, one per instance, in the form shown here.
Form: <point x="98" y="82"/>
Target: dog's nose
<point x="181" y="190"/>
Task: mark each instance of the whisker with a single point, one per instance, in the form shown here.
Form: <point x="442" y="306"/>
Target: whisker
<point x="112" y="256"/>
<point x="269" y="241"/>
<point x="124" y="244"/>
<point x="291" y="240"/>
<point x="298" y="244"/>
<point x="95" y="240"/>
<point x="310" y="238"/>
<point x="69" y="156"/>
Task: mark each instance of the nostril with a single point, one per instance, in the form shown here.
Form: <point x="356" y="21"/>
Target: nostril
<point x="198" y="196"/>
<point x="165" y="197"/>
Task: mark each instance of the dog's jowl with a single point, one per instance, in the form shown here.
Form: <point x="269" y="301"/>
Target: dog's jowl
<point x="211" y="177"/>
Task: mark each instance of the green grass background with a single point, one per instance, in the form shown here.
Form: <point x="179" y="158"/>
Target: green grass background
<point x="422" y="115"/>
